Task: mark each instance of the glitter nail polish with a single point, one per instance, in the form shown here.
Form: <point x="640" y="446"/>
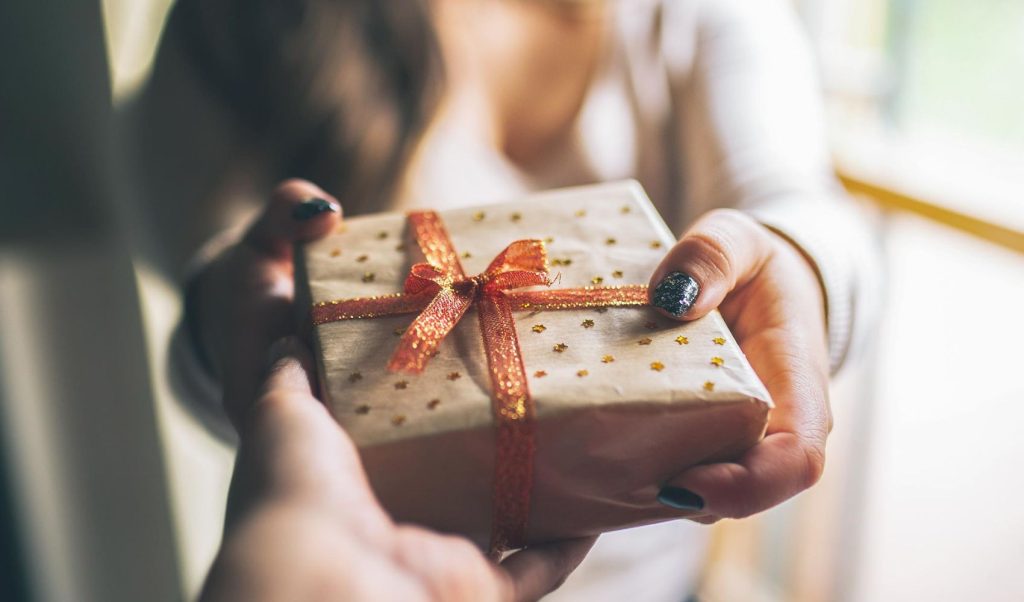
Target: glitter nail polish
<point x="676" y="293"/>
<point x="311" y="208"/>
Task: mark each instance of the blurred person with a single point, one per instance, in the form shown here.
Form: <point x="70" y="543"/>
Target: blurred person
<point x="710" y="104"/>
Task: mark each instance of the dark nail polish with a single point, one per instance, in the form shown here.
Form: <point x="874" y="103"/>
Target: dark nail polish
<point x="681" y="499"/>
<point x="676" y="293"/>
<point x="311" y="208"/>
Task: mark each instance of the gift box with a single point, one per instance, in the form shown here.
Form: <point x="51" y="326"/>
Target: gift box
<point x="501" y="374"/>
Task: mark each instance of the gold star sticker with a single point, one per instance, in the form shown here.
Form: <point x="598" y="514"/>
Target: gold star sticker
<point x="363" y="409"/>
<point x="617" y="274"/>
<point x="454" y="376"/>
<point x="549" y="240"/>
<point x="709" y="386"/>
<point x="400" y="246"/>
<point x="625" y="209"/>
<point x="682" y="340"/>
<point x="538" y="328"/>
<point x="355" y="376"/>
<point x="335" y="252"/>
<point x="398" y="420"/>
<point x="644" y="341"/>
<point x="607" y="359"/>
<point x="610" y="241"/>
<point x="433" y="403"/>
<point x="581" y="213"/>
<point x="369" y="277"/>
<point x="717" y="361"/>
<point x="560" y="347"/>
<point x="657" y="366"/>
<point x="582" y="373"/>
<point x="515" y="217"/>
<point x="479" y="216"/>
<point x="563" y="261"/>
<point x="540" y="374"/>
<point x="655" y="244"/>
<point x="466" y="254"/>
<point x="718" y="341"/>
<point x="362" y="258"/>
<point x="382" y="235"/>
<point x="402" y="384"/>
<point x="588" y="323"/>
<point x="596" y="280"/>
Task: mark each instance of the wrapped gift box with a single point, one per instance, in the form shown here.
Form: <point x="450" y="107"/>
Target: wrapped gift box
<point x="623" y="398"/>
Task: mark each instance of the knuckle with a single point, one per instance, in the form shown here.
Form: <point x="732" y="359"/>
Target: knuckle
<point x="712" y="251"/>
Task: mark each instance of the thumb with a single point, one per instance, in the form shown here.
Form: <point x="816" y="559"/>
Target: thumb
<point x="298" y="211"/>
<point x="722" y="251"/>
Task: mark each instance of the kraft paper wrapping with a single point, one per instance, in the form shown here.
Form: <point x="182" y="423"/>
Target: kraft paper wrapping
<point x="631" y="400"/>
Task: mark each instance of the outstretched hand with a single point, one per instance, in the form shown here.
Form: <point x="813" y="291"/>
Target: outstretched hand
<point x="303" y="524"/>
<point x="772" y="300"/>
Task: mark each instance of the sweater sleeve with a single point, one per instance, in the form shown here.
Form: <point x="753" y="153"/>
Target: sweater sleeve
<point x="752" y="137"/>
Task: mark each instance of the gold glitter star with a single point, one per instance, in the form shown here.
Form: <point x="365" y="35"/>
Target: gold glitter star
<point x="355" y="377"/>
<point x="466" y="254"/>
<point x="709" y="386"/>
<point x="582" y="373"/>
<point x="400" y="247"/>
<point x="644" y="341"/>
<point x="369" y="277"/>
<point x="561" y="261"/>
<point x="682" y="340"/>
<point x="597" y="280"/>
<point x="540" y="374"/>
<point x="398" y="420"/>
<point x="607" y="359"/>
<point x="588" y="323"/>
<point x="454" y="376"/>
<point x="382" y="235"/>
<point x="610" y="241"/>
<point x="549" y="240"/>
<point x="581" y="213"/>
<point x="538" y="328"/>
<point x="402" y="384"/>
<point x="335" y="252"/>
<point x="657" y="366"/>
<point x="515" y="217"/>
<point x="479" y="216"/>
<point x="362" y="258"/>
<point x="718" y="341"/>
<point x="617" y="274"/>
<point x="717" y="361"/>
<point x="655" y="244"/>
<point x="625" y="209"/>
<point x="363" y="409"/>
<point x="560" y="347"/>
<point x="433" y="403"/>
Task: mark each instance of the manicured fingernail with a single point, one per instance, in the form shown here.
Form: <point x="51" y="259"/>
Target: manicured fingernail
<point x="311" y="208"/>
<point x="681" y="499"/>
<point x="676" y="293"/>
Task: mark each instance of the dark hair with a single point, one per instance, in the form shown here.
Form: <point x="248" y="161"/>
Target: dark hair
<point x="337" y="91"/>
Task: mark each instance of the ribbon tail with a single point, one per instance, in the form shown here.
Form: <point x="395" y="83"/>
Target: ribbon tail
<point x="420" y="341"/>
<point x="633" y="295"/>
<point x="514" y="413"/>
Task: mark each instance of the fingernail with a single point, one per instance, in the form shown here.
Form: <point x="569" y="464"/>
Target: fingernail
<point x="676" y="293"/>
<point x="681" y="499"/>
<point x="311" y="208"/>
<point x="280" y="349"/>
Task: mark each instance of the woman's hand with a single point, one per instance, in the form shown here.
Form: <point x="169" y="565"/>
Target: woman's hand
<point x="772" y="300"/>
<point x="241" y="302"/>
<point x="302" y="523"/>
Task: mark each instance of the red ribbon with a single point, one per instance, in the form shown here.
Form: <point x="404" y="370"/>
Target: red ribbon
<point x="442" y="293"/>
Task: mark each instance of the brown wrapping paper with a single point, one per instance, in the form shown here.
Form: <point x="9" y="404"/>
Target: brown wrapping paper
<point x="611" y="427"/>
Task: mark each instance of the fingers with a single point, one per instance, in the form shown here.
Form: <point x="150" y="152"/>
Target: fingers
<point x="290" y="369"/>
<point x="720" y="252"/>
<point x="790" y="459"/>
<point x="298" y="211"/>
<point x="539" y="570"/>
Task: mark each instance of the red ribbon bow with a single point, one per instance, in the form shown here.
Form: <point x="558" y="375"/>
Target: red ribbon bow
<point x="442" y="293"/>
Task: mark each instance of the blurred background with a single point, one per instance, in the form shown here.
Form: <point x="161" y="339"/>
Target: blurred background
<point x="110" y="491"/>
